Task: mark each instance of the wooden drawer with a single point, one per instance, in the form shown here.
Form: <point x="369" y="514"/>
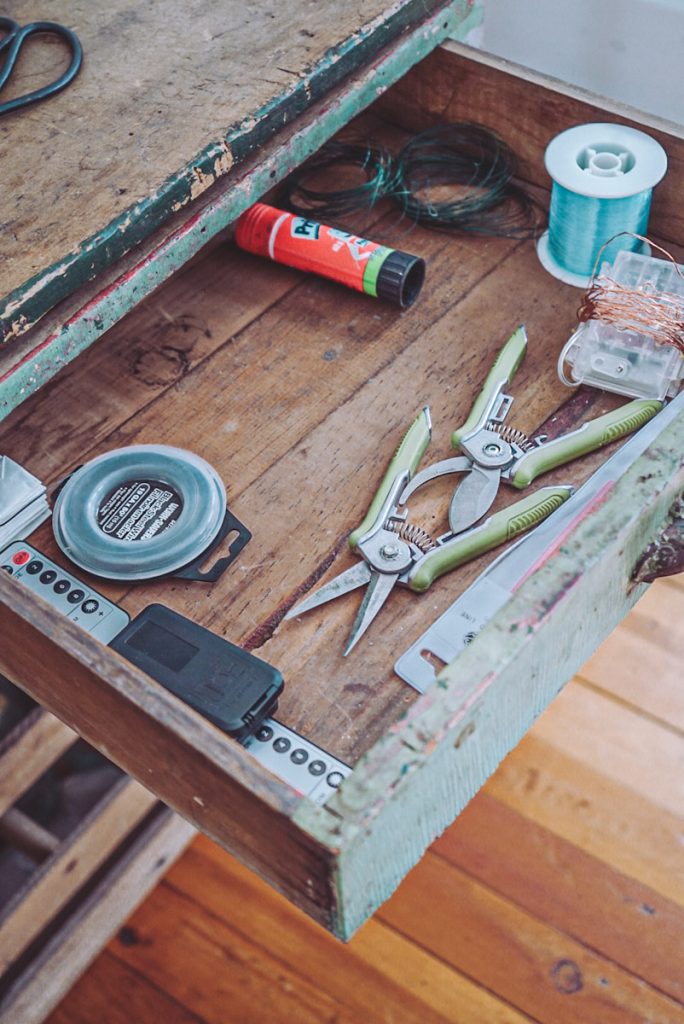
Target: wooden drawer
<point x="298" y="392"/>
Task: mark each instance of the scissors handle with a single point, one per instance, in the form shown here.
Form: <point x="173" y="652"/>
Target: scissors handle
<point x="12" y="43"/>
<point x="406" y="459"/>
<point x="498" y="529"/>
<point x="499" y="377"/>
<point x="587" y="438"/>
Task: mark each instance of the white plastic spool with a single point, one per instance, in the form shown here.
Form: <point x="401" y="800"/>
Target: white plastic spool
<point x="600" y="161"/>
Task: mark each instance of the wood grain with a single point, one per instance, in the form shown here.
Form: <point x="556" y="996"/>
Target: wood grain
<point x="251" y="408"/>
<point x="456" y="83"/>
<point x="659" y="774"/>
<point x="27" y="997"/>
<point x="415" y="988"/>
<point x="538" y="897"/>
<point x="162" y="742"/>
<point x="71" y="865"/>
<point x="28" y="751"/>
<point x="163" y="123"/>
<point x="299" y="400"/>
<point x="605" y="817"/>
<point x="652" y="684"/>
<point x="572" y="890"/>
<point x="119" y="995"/>
<point x="547" y="974"/>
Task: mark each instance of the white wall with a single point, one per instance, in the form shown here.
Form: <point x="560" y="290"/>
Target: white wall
<point x="628" y="50"/>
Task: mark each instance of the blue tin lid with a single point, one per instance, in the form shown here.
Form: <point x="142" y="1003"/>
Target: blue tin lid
<point x="139" y="512"/>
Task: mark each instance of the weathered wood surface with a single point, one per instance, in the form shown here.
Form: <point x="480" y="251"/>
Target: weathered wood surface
<point x="169" y="99"/>
<point x="664" y="556"/>
<point x="338" y="714"/>
<point x="215" y="395"/>
<point x="79" y="320"/>
<point x="456" y="83"/>
<point x="433" y="761"/>
<point x="251" y="378"/>
<point x="159" y="740"/>
<point x="32" y="746"/>
<point x="72" y="864"/>
<point x="556" y="896"/>
<point x="128" y="878"/>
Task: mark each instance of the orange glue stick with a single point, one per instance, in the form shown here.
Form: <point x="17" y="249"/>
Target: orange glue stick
<point x="307" y="245"/>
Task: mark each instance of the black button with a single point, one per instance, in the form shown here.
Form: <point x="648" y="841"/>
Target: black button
<point x="317" y="767"/>
<point x="265" y="733"/>
<point x="299" y="756"/>
<point x="76" y="596"/>
<point x="9" y="569"/>
<point x="90" y="606"/>
<point x="49" y="576"/>
<point x="61" y="586"/>
<point x="282" y="745"/>
<point x="35" y="566"/>
<point x="334" y="779"/>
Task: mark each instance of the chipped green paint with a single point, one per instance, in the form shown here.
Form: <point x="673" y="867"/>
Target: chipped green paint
<point x="23" y="307"/>
<point x="472" y="21"/>
<point x="392" y="808"/>
<point x="114" y="302"/>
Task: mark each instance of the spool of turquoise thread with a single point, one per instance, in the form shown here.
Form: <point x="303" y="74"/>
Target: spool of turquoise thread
<point x="603" y="179"/>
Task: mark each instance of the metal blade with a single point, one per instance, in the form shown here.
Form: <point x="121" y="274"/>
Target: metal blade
<point x="379" y="589"/>
<point x="357" y="576"/>
<point x="473" y="497"/>
<point x="460" y="623"/>
<point x="459" y="464"/>
<point x="451" y="632"/>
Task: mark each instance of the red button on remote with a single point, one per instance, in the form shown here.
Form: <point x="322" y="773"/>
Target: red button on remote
<point x="21" y="557"/>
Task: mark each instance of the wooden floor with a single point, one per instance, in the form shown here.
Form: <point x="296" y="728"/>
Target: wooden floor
<point x="557" y="896"/>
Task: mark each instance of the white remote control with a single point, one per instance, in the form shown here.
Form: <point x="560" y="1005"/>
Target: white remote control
<point x="307" y="768"/>
<point x="80" y="603"/>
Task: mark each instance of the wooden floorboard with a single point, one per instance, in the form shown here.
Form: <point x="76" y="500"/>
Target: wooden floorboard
<point x="557" y="896"/>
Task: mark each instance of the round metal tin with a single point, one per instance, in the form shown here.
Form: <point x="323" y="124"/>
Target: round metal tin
<point x="139" y="512"/>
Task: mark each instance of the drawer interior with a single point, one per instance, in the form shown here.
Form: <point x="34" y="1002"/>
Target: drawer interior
<point x="298" y="392"/>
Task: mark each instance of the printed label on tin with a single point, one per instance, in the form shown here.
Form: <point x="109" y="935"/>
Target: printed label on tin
<point x="139" y="510"/>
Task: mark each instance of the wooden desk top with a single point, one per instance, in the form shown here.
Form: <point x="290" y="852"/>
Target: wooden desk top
<point x="170" y="97"/>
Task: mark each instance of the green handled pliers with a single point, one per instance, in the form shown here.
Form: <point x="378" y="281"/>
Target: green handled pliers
<point x="494" y="452"/>
<point x="394" y="551"/>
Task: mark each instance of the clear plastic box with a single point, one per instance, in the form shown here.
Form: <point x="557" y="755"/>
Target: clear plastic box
<point x="625" y="361"/>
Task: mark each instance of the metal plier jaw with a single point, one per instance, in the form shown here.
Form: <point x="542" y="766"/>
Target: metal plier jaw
<point x="388" y="557"/>
<point x="493" y="453"/>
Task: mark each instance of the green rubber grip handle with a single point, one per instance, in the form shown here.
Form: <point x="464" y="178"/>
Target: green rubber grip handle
<point x="588" y="438"/>
<point x="406" y="459"/>
<point x="507" y="362"/>
<point x="499" y="528"/>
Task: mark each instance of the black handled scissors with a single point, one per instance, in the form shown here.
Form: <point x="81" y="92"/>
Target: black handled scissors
<point x="10" y="47"/>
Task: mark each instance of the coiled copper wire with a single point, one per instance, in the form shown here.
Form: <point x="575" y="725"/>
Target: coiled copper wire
<point x="657" y="315"/>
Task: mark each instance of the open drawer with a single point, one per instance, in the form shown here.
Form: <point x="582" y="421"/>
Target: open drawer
<point x="298" y="392"/>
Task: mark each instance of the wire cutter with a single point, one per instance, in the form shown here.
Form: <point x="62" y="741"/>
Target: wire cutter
<point x="494" y="452"/>
<point x="395" y="551"/>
